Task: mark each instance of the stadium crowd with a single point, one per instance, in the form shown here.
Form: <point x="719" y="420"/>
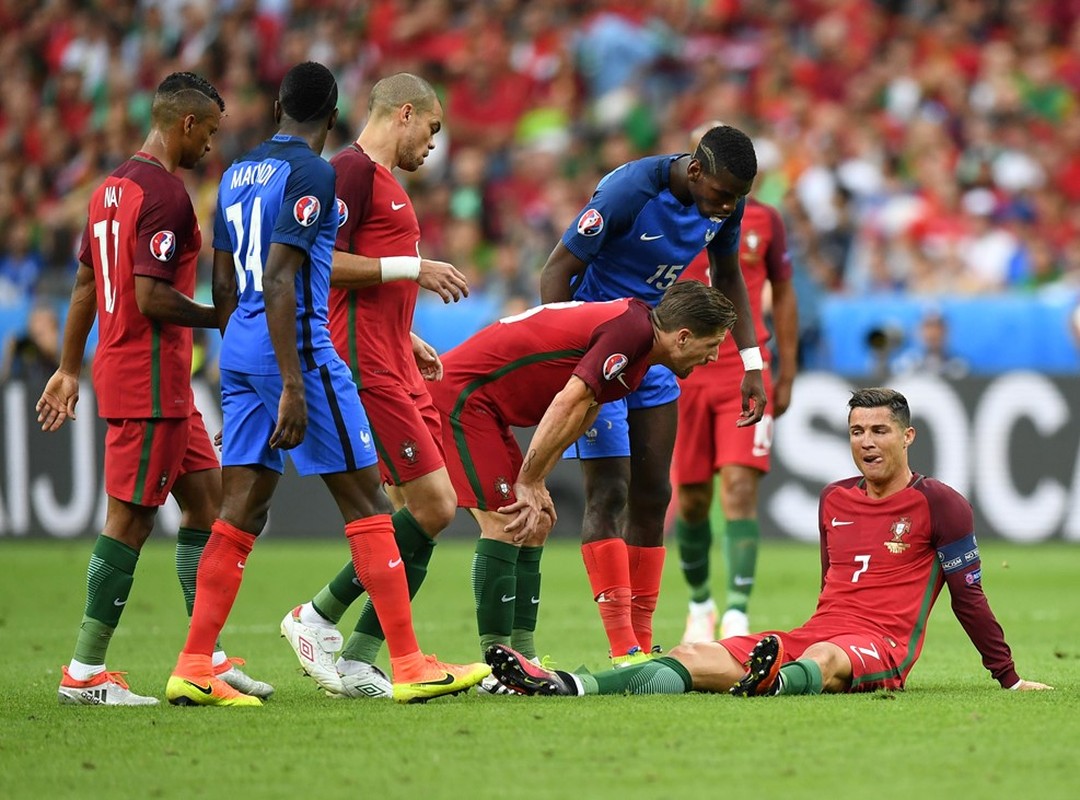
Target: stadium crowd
<point x="913" y="146"/>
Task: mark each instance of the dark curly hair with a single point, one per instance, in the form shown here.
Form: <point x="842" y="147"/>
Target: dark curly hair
<point x="309" y="92"/>
<point x="730" y="148"/>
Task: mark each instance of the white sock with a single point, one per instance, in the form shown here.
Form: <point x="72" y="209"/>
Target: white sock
<point x="84" y="672"/>
<point x="309" y="616"/>
<point x="708" y="607"/>
<point x="218" y="658"/>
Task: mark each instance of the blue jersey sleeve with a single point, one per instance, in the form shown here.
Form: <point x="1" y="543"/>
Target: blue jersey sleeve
<point x="308" y="197"/>
<point x="221" y="227"/>
<point x="610" y="212"/>
<point x="726" y="240"/>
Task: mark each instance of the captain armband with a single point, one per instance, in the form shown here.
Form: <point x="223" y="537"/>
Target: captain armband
<point x="399" y="268"/>
<point x="751" y="358"/>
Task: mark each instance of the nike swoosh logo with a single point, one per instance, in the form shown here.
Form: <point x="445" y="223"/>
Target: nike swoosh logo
<point x="393" y="563"/>
<point x="446" y="680"/>
<point x="646" y="238"/>
<point x="204" y="689"/>
<point x="240" y="564"/>
<point x="119" y="602"/>
<point x="506" y="599"/>
<point x="396" y="206"/>
<point x="739" y="580"/>
<point x="535" y="601"/>
<point x="622" y="380"/>
<point x="356" y="582"/>
<point x="837" y="523"/>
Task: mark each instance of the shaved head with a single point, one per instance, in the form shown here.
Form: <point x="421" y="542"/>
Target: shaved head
<point x="392" y="93"/>
<point x="183" y="93"/>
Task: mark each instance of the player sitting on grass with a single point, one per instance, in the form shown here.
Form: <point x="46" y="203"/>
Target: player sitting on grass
<point x="890" y="539"/>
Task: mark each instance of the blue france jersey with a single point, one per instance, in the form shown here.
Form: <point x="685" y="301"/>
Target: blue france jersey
<point x="280" y="192"/>
<point x="636" y="237"/>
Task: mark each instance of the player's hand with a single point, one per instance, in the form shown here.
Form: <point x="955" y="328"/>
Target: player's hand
<point x="753" y="399"/>
<point x="57" y="402"/>
<point x="534" y="512"/>
<point x="218" y="439"/>
<point x="427" y="359"/>
<point x="443" y="279"/>
<point x="291" y="421"/>
<point x="1032" y="686"/>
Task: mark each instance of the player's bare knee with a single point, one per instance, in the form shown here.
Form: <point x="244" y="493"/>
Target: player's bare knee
<point x="834" y="665"/>
<point x="694" y="502"/>
<point x="434" y="513"/>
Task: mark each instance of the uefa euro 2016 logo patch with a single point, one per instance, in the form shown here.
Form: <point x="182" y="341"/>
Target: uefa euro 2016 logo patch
<point x="306" y="210"/>
<point x="614" y="364"/>
<point x="163" y="245"/>
<point x="343" y="212"/>
<point x="591" y="223"/>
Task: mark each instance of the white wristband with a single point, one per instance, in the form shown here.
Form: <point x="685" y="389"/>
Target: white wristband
<point x="751" y="358"/>
<point x="399" y="268"/>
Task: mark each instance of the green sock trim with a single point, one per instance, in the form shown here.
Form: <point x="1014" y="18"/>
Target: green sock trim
<point x="334" y="599"/>
<point x="694" y="541"/>
<point x="362" y="647"/>
<point x="740" y="552"/>
<point x="660" y="676"/>
<point x="527" y="605"/>
<point x="408" y="533"/>
<point x="588" y="683"/>
<point x="801" y="677"/>
<point x="494" y="583"/>
<point x="488" y="639"/>
<point x="109" y="576"/>
<point x="189" y="547"/>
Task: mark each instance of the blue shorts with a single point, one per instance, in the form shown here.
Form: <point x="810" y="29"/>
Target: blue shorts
<point x="609" y="436"/>
<point x="338" y="437"/>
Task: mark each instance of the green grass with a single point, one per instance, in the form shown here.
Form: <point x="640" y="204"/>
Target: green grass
<point x="952" y="732"/>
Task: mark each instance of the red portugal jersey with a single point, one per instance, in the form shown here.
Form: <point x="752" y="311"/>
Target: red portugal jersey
<point x="141" y="222"/>
<point x="370" y="327"/>
<point x="884" y="562"/>
<point x="516" y="366"/>
<point x="763" y="256"/>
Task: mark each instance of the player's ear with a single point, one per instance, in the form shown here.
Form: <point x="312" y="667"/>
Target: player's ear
<point x="190" y="121"/>
<point x="278" y="112"/>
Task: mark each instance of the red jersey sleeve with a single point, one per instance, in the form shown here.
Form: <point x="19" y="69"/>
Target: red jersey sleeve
<point x="166" y="215"/>
<point x="616" y="358"/>
<point x="952" y="534"/>
<point x="777" y="258"/>
<point x="355" y="181"/>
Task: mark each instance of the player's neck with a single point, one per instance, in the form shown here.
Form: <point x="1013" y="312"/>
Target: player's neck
<point x="678" y="181"/>
<point x="380" y="149"/>
<point x="889" y="487"/>
<point x="157" y="147"/>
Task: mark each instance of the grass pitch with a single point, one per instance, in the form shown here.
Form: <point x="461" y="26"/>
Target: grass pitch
<point x="953" y="732"/>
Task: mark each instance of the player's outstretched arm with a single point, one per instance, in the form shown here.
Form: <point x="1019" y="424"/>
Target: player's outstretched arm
<point x="1031" y="686"/>
<point x="728" y="278"/>
<point x="279" y="297"/>
<point x="61" y="394"/>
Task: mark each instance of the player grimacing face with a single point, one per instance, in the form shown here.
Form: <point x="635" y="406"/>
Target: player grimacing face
<point x="419" y="138"/>
<point x="878" y="444"/>
<point x="717" y="195"/>
<point x="197" y="138"/>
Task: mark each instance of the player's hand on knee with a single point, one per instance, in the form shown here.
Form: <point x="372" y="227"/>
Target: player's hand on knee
<point x="444" y="279"/>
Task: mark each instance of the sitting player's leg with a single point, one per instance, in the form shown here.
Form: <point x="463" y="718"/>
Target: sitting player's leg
<point x="652" y="440"/>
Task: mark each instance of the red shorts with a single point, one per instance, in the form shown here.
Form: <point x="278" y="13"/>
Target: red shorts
<point x="482" y="457"/>
<point x="144" y="457"/>
<point x="877" y="661"/>
<point x="407" y="432"/>
<point x="707" y="438"/>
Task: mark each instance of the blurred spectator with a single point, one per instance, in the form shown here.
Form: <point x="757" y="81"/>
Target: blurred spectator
<point x="34" y="355"/>
<point x="930" y="354"/>
<point x="20" y="264"/>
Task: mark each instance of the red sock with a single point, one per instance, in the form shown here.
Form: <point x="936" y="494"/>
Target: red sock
<point x="377" y="563"/>
<point x="217" y="582"/>
<point x="646" y="569"/>
<point x="608" y="567"/>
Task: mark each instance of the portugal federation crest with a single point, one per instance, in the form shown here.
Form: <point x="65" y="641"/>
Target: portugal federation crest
<point x="409" y="451"/>
<point x="502" y="486"/>
<point x="899" y="529"/>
